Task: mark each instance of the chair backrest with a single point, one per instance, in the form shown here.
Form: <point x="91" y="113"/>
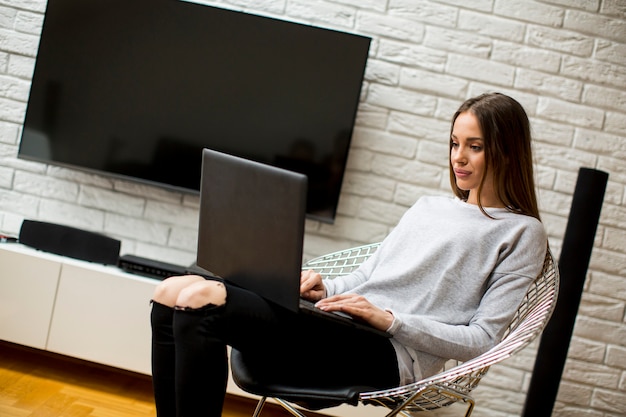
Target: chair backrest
<point x="341" y="262"/>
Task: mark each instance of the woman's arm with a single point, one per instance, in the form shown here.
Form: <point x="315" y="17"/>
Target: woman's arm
<point x="465" y="341"/>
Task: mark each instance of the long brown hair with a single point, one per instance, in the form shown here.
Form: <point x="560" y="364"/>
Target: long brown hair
<point x="508" y="155"/>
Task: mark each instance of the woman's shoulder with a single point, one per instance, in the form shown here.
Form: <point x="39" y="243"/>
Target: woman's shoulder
<point x="432" y="205"/>
<point x="436" y="200"/>
<point x="525" y="220"/>
<point x="527" y="234"/>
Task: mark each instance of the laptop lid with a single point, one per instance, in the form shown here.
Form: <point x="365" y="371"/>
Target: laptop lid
<point x="251" y="225"/>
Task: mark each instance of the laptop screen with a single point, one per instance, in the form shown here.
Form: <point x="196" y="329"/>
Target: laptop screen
<point x="251" y="225"/>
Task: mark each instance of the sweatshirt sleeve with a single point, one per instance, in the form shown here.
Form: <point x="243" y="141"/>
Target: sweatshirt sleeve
<point x="464" y="341"/>
<point x="346" y="283"/>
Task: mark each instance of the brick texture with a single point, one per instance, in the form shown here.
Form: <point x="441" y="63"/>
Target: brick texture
<point x="565" y="60"/>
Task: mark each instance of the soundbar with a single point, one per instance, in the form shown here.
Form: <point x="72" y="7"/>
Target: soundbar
<point x="69" y="241"/>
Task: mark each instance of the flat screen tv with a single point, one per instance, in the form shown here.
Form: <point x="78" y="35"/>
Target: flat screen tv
<point x="137" y="88"/>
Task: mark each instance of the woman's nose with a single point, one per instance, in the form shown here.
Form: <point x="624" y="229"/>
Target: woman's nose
<point x="458" y="156"/>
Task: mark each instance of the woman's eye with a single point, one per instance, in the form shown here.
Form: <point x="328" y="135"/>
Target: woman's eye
<point x="476" y="148"/>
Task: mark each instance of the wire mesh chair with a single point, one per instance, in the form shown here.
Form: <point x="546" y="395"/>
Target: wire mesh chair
<point x="441" y="390"/>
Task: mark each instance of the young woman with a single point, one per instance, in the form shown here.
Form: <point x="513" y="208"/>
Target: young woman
<point x="445" y="283"/>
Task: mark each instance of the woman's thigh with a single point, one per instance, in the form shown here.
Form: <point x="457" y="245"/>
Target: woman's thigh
<point x="305" y="349"/>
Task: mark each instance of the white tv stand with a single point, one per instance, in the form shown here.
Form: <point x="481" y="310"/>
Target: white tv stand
<point x="88" y="311"/>
<point x="75" y="308"/>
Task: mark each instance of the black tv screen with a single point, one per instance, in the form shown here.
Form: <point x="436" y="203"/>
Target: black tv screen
<point x="137" y="88"/>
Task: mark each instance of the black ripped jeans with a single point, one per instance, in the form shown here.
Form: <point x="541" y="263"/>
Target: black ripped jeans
<point x="190" y="365"/>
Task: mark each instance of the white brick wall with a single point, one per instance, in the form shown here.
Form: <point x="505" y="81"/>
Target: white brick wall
<point x="565" y="60"/>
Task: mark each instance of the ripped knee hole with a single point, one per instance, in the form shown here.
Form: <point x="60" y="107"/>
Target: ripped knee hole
<point x="201" y="294"/>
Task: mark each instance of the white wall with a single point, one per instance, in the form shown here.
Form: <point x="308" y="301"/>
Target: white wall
<point x="564" y="60"/>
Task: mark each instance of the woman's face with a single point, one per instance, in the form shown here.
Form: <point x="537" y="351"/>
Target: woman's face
<point x="467" y="156"/>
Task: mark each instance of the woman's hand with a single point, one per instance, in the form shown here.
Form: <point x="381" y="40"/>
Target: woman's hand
<point x="311" y="286"/>
<point x="358" y="307"/>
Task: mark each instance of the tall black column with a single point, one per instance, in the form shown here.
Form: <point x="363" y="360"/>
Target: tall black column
<point x="580" y="233"/>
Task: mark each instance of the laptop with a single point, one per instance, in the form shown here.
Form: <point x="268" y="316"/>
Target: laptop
<point x="251" y="230"/>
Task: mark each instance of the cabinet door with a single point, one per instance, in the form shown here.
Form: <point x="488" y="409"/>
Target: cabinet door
<point x="28" y="285"/>
<point x="102" y="315"/>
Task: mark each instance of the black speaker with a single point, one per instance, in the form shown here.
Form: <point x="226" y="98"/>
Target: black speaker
<point x="70" y="242"/>
<point x="580" y="233"/>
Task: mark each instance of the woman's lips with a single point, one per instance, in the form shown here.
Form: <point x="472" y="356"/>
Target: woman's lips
<point x="460" y="173"/>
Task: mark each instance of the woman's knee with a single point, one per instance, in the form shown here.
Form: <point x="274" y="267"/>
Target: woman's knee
<point x="167" y="291"/>
<point x="200" y="294"/>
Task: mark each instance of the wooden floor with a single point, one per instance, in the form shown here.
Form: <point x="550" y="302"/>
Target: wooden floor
<point x="40" y="384"/>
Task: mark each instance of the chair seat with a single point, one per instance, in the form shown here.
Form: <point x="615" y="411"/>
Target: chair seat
<point x="309" y="397"/>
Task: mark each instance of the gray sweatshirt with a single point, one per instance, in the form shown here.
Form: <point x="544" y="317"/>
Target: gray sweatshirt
<point x="452" y="277"/>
